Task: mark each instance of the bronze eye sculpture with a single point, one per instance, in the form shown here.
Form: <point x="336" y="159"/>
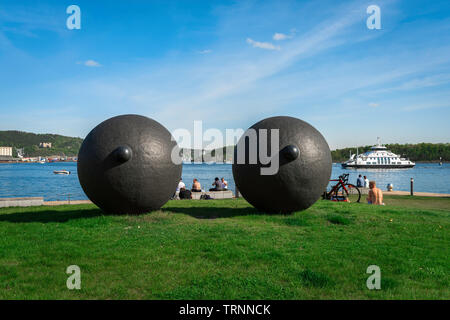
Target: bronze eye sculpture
<point x="125" y="165"/>
<point x="299" y="168"/>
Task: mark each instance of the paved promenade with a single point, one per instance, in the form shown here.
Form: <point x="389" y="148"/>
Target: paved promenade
<point x="422" y="194"/>
<point x="27" y="202"/>
<point x="386" y="193"/>
<point x="58" y="203"/>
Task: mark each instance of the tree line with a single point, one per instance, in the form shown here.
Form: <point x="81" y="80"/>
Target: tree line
<point x="429" y="152"/>
<point x="29" y="142"/>
<point x="69" y="146"/>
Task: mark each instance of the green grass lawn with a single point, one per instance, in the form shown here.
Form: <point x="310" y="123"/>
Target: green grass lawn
<point x="225" y="249"/>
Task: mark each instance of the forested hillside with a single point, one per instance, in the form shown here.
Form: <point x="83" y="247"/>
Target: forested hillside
<point x="61" y="145"/>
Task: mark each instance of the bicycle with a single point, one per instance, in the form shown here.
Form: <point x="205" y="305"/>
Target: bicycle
<point x="342" y="187"/>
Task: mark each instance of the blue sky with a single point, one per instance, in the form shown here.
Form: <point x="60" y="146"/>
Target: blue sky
<point x="229" y="64"/>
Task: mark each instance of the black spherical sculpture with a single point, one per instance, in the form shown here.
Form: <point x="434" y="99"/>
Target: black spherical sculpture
<point x="304" y="166"/>
<point x="125" y="165"/>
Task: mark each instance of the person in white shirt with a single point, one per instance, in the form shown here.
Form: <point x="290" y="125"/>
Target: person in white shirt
<point x="181" y="185"/>
<point x="224" y="183"/>
<point x="366" y="182"/>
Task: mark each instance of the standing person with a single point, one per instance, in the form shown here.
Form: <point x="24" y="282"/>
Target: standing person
<point x="366" y="182"/>
<point x="224" y="183"/>
<point x="196" y="186"/>
<point x="217" y="185"/>
<point x="375" y="194"/>
<point x="360" y="181"/>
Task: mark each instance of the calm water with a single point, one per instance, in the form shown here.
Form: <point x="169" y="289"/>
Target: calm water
<point x="34" y="179"/>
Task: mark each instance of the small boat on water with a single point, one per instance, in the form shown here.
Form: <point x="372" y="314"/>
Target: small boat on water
<point x="61" y="172"/>
<point x="378" y="157"/>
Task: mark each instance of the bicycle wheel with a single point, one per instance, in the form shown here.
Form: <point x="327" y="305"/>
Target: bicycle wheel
<point x="352" y="189"/>
<point x="337" y="194"/>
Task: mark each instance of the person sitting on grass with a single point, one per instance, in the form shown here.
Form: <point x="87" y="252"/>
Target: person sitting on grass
<point x="177" y="191"/>
<point x="196" y="186"/>
<point x="224" y="183"/>
<point x="366" y="182"/>
<point x="375" y="194"/>
<point x="217" y="185"/>
<point x="360" y="182"/>
<point x="180" y="185"/>
<point x="185" y="194"/>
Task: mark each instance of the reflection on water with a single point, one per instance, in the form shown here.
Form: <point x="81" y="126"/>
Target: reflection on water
<point x="34" y="179"/>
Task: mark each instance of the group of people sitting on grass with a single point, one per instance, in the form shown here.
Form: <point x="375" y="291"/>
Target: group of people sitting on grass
<point x="219" y="185"/>
<point x="183" y="193"/>
<point x="362" y="182"/>
<point x="375" y="195"/>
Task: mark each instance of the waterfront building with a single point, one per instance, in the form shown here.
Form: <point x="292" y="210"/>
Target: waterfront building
<point x="6" y="151"/>
<point x="45" y="145"/>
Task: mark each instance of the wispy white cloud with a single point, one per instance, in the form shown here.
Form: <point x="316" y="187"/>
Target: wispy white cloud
<point x="425" y="106"/>
<point x="418" y="82"/>
<point x="91" y="63"/>
<point x="27" y="19"/>
<point x="280" y="36"/>
<point x="262" y="45"/>
<point x="373" y="104"/>
<point x="206" y="51"/>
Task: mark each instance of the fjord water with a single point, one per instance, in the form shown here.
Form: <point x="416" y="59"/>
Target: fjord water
<point x="38" y="180"/>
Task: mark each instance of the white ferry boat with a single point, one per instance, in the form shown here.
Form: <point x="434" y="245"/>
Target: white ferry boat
<point x="377" y="157"/>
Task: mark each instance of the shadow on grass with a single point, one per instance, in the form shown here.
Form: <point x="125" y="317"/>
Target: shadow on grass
<point x="47" y="216"/>
<point x="213" y="212"/>
<point x="315" y="279"/>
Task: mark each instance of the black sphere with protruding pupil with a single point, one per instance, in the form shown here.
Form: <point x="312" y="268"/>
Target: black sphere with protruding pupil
<point x="304" y="167"/>
<point x="125" y="165"/>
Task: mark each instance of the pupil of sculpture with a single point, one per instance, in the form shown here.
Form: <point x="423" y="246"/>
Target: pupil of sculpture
<point x="290" y="152"/>
<point x="122" y="154"/>
<point x="304" y="161"/>
<point x="125" y="165"/>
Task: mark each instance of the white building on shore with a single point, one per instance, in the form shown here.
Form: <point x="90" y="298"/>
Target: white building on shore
<point x="6" y="151"/>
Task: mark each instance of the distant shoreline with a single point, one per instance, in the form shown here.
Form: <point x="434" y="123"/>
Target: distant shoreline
<point x="334" y="162"/>
<point x="434" y="161"/>
<point x="430" y="161"/>
<point x="23" y="162"/>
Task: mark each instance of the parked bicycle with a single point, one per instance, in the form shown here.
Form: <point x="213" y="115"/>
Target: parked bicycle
<point x="341" y="190"/>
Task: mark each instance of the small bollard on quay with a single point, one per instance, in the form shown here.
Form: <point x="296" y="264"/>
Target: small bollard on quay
<point x="412" y="186"/>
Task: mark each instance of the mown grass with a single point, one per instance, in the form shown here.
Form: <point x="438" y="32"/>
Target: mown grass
<point x="225" y="249"/>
